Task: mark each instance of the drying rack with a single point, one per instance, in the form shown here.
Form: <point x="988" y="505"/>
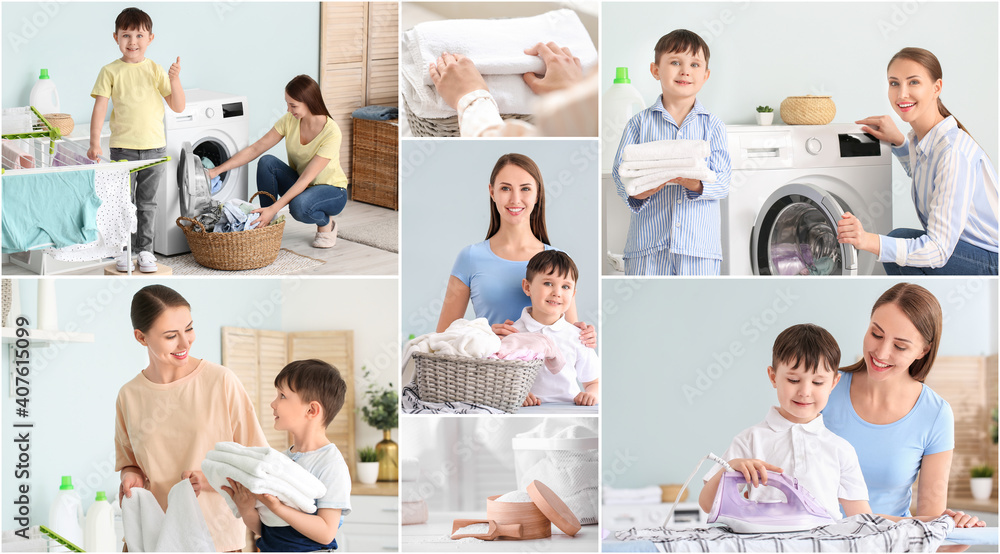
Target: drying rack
<point x="43" y="150"/>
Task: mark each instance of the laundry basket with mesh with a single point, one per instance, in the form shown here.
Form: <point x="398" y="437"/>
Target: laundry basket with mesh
<point x="565" y="460"/>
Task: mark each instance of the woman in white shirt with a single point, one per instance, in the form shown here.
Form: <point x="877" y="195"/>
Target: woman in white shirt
<point x="954" y="182"/>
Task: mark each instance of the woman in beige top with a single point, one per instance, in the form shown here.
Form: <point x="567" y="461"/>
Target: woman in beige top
<point x="171" y="414"/>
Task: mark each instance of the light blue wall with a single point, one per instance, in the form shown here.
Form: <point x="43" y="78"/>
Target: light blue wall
<point x="446" y="195"/>
<point x="246" y="48"/>
<point x="764" y="52"/>
<point x="690" y="357"/>
<point x="74" y="386"/>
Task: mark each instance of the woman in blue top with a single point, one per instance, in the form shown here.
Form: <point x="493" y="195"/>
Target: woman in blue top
<point x="489" y="273"/>
<point x="898" y="425"/>
<point x="954" y="182"/>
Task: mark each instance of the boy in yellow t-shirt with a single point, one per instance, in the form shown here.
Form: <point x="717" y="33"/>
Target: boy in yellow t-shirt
<point x="135" y="85"/>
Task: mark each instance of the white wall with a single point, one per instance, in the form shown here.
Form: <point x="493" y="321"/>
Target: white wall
<point x="691" y="356"/>
<point x="763" y="52"/>
<point x="446" y="199"/>
<point x="74" y="386"/>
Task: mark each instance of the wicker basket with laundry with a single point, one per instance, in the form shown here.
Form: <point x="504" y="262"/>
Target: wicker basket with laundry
<point x="249" y="249"/>
<point x="502" y="384"/>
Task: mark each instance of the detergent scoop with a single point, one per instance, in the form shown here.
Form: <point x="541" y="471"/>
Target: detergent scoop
<point x="799" y="512"/>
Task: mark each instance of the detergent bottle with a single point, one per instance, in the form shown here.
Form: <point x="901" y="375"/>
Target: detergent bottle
<point x="99" y="534"/>
<point x="44" y="96"/>
<point x="66" y="514"/>
<point x="621" y="102"/>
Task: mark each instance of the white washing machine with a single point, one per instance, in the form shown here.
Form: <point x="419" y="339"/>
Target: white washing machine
<point x="790" y="185"/>
<point x="217" y="126"/>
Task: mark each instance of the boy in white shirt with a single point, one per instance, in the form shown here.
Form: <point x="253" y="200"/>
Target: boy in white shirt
<point x="792" y="438"/>
<point x="550" y="282"/>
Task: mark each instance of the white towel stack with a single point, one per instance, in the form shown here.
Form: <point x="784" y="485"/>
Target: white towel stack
<point x="648" y="165"/>
<point x="644" y="495"/>
<point x="263" y="470"/>
<point x="497" y="47"/>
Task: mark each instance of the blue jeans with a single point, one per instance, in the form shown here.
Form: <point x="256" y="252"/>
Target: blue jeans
<point x="144" y="186"/>
<point x="314" y="205"/>
<point x="966" y="259"/>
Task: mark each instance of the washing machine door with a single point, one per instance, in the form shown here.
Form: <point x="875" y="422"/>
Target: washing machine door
<point x="796" y="234"/>
<point x="217" y="147"/>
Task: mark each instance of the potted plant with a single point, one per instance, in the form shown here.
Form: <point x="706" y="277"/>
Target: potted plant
<point x="368" y="466"/>
<point x="382" y="413"/>
<point x="765" y="115"/>
<point x="981" y="482"/>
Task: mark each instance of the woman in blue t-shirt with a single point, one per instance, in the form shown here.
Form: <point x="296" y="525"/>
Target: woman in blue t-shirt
<point x="489" y="273"/>
<point x="898" y="425"/>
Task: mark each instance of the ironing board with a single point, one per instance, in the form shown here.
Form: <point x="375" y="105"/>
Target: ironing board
<point x="971" y="536"/>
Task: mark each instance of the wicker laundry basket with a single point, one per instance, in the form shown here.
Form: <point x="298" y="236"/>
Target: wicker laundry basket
<point x="808" y="110"/>
<point x="375" y="162"/>
<point x="234" y="251"/>
<point x="502" y="384"/>
<point x="442" y="127"/>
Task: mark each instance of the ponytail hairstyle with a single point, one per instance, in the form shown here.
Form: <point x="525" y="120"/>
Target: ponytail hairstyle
<point x="304" y="89"/>
<point x="538" y="210"/>
<point x="930" y="62"/>
<point x="150" y="302"/>
<point x="924" y="312"/>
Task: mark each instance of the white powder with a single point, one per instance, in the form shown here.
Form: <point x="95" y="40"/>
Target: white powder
<point x="474" y="529"/>
<point x="515" y="496"/>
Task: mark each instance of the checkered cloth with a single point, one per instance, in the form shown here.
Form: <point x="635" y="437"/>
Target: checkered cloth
<point x="859" y="533"/>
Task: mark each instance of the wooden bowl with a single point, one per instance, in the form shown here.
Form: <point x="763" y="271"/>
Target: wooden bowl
<point x="534" y="524"/>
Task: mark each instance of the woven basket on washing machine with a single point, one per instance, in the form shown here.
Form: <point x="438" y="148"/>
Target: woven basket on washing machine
<point x="808" y="110"/>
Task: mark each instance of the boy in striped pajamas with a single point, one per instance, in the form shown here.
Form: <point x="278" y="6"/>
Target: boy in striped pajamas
<point x="675" y="227"/>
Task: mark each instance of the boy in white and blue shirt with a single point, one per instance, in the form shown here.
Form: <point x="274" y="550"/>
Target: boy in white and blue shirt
<point x="675" y="230"/>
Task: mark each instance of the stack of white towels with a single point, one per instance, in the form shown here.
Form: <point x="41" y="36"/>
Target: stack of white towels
<point x="497" y="47"/>
<point x="643" y="495"/>
<point x="648" y="165"/>
<point x="263" y="470"/>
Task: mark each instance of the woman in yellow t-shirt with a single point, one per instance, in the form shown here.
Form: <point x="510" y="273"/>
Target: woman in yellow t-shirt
<point x="175" y="410"/>
<point x="311" y="184"/>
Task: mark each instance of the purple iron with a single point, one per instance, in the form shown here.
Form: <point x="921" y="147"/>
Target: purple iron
<point x="799" y="512"/>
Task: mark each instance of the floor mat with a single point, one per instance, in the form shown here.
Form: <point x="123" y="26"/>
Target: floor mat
<point x="383" y="234"/>
<point x="286" y="263"/>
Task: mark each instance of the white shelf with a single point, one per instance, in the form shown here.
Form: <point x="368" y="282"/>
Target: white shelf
<point x="40" y="337"/>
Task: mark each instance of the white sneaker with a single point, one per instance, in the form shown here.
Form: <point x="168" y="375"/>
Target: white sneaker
<point x="147" y="262"/>
<point x="123" y="262"/>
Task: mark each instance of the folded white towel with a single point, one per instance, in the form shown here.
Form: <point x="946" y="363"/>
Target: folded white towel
<point x="666" y="150"/>
<point x="642" y="184"/>
<point x="497" y="47"/>
<point x="630" y="173"/>
<point x="181" y="529"/>
<point x="474" y="339"/>
<point x="264" y="471"/>
<point x="510" y="92"/>
<point x="659" y="164"/>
